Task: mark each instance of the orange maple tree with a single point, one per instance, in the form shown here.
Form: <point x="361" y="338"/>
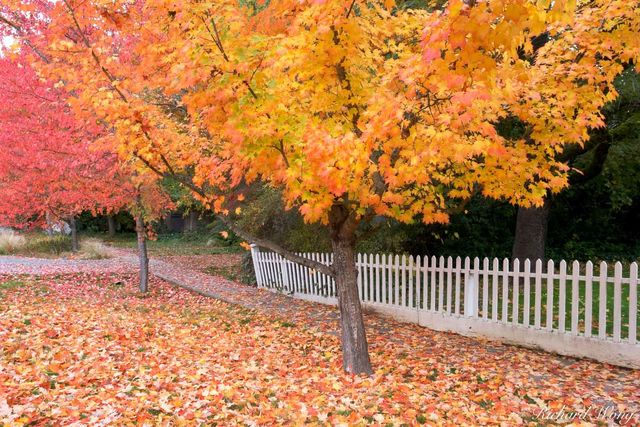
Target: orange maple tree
<point x="353" y="109"/>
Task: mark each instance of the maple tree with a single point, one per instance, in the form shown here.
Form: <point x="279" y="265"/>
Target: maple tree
<point x="141" y="193"/>
<point x="352" y="109"/>
<point x="49" y="170"/>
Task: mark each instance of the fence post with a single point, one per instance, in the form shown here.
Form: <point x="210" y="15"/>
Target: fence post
<point x="255" y="251"/>
<point x="471" y="296"/>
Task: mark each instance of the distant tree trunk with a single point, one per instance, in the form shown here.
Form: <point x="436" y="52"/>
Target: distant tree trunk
<point x="74" y="234"/>
<point x="111" y="224"/>
<point x="531" y="232"/>
<point x="355" y="351"/>
<point x="49" y="223"/>
<point x="142" y="254"/>
<point x="190" y="223"/>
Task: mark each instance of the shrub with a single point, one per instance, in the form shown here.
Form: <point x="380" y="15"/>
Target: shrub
<point x="94" y="249"/>
<point x="47" y="244"/>
<point x="10" y="242"/>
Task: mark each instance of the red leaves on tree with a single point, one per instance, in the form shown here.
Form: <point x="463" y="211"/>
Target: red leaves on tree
<point x="46" y="163"/>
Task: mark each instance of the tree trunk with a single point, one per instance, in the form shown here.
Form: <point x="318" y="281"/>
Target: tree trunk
<point x="74" y="234"/>
<point x="111" y="224"/>
<point x="531" y="233"/>
<point x="142" y="254"/>
<point x="49" y="224"/>
<point x="355" y="351"/>
<point x="190" y="223"/>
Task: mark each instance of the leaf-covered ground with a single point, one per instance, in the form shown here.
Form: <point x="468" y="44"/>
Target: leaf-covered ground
<point x="87" y="348"/>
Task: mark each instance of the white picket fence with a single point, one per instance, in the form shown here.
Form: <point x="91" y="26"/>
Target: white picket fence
<point x="577" y="310"/>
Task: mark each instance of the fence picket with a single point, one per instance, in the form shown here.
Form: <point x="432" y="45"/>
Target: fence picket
<point x="588" y="299"/>
<point x="575" y="296"/>
<point x="365" y="277"/>
<point x="550" y="288"/>
<point x="505" y="290"/>
<point x="516" y="292"/>
<point x="313" y="277"/>
<point x="293" y="278"/>
<point x="277" y="271"/>
<point x="403" y="281"/>
<point x="396" y="282"/>
<point x="260" y="277"/>
<point x="270" y="275"/>
<point x="333" y="282"/>
<point x="485" y="288"/>
<point x="562" y="296"/>
<point x="475" y="296"/>
<point x="410" y="282"/>
<point x="304" y="282"/>
<point x="378" y="287"/>
<point x="432" y="284"/>
<point x="359" y="268"/>
<point x="633" y="302"/>
<point x="494" y="290"/>
<point x="370" y="280"/>
<point x="602" y="306"/>
<point x="441" y="284"/>
<point x="323" y="278"/>
<point x="383" y="279"/>
<point x="318" y="278"/>
<point x="527" y="292"/>
<point x="326" y="279"/>
<point x="315" y="290"/>
<point x="538" y="298"/>
<point x="391" y="283"/>
<point x="425" y="282"/>
<point x="617" y="301"/>
<point x="415" y="282"/>
<point x="449" y="284"/>
<point x="291" y="282"/>
<point x="457" y="292"/>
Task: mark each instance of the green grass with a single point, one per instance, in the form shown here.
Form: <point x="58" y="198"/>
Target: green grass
<point x="177" y="244"/>
<point x="37" y="244"/>
<point x="389" y="295"/>
<point x="14" y="284"/>
<point x="11" y="284"/>
<point x="233" y="272"/>
<point x="581" y="299"/>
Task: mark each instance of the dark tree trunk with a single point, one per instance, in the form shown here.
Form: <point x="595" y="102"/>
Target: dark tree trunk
<point x="191" y="221"/>
<point x="531" y="233"/>
<point x="142" y="254"/>
<point x="355" y="351"/>
<point x="74" y="234"/>
<point x="111" y="224"/>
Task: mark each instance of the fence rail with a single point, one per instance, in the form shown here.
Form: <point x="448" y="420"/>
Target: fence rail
<point x="577" y="309"/>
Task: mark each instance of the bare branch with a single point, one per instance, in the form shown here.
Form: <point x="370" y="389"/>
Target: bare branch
<point x="315" y="265"/>
<point x="86" y="42"/>
<point x="322" y="268"/>
<point x="26" y="41"/>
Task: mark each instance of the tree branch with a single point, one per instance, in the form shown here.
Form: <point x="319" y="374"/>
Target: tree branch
<point x="26" y="41"/>
<point x="110" y="77"/>
<point x="315" y="265"/>
<point x="322" y="268"/>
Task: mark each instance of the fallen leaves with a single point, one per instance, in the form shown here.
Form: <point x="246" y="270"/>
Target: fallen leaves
<point x="87" y="348"/>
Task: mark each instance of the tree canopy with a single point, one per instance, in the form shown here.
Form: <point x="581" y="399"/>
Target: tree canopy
<point x="350" y="109"/>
